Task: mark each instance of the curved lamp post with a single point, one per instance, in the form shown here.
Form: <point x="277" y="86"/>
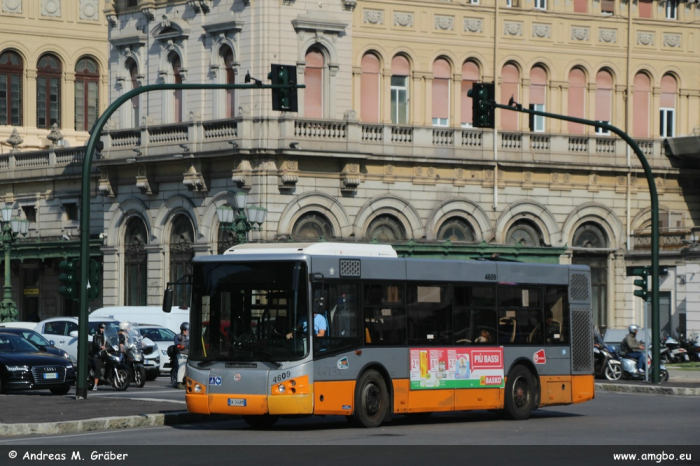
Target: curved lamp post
<point x="11" y="227"/>
<point x="241" y="223"/>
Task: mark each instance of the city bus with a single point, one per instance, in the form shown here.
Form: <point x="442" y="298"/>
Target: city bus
<point x="352" y="329"/>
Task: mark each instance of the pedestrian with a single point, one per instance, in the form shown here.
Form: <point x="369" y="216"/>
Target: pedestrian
<point x="98" y="346"/>
<point x="182" y="342"/>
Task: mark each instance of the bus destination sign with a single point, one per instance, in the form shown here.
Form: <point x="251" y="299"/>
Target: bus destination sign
<point x="456" y="368"/>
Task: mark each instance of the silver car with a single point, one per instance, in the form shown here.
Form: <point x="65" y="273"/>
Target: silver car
<point x="162" y="337"/>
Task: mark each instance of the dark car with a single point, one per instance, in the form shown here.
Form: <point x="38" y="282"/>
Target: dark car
<point x="23" y="366"/>
<point x="40" y="342"/>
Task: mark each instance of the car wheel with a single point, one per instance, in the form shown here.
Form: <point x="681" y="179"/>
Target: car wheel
<point x="61" y="390"/>
<point x="151" y="376"/>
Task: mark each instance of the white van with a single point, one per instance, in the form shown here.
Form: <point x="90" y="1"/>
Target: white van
<point x="146" y="315"/>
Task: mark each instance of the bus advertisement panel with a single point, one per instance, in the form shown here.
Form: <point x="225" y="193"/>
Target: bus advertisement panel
<point x="443" y="368"/>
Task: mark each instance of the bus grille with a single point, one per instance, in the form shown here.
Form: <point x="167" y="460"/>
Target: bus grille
<point x="582" y="341"/>
<point x="39" y="371"/>
<point x="349" y="268"/>
<point x="579" y="287"/>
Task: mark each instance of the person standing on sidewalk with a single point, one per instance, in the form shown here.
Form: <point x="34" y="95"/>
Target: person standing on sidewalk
<point x="182" y="342"/>
<point x="98" y="346"/>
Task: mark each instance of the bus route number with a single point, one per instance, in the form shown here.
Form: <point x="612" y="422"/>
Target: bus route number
<point x="282" y="376"/>
<point x="490" y="276"/>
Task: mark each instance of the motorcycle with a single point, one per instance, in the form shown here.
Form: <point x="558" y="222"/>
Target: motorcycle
<point x="133" y="355"/>
<point x="114" y="371"/>
<point x="606" y="363"/>
<point x="692" y="347"/>
<point x="676" y="352"/>
<point x="174" y="354"/>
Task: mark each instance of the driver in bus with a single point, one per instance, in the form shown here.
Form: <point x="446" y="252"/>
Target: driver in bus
<point x="320" y="324"/>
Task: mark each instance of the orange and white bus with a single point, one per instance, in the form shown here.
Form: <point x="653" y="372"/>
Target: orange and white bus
<point x="388" y="335"/>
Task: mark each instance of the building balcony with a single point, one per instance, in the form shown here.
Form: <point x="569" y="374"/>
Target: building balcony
<point x="355" y="139"/>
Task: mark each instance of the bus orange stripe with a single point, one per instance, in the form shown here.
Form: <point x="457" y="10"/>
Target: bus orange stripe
<point x="583" y="388"/>
<point x="334" y="397"/>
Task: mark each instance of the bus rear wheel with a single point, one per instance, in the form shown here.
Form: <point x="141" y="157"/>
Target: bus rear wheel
<point x="519" y="394"/>
<point x="371" y="399"/>
<point x="264" y="421"/>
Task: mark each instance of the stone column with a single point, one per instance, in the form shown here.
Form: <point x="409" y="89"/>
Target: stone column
<point x="385" y="94"/>
<point x="29" y="99"/>
<point x="156" y="274"/>
<point x="68" y="103"/>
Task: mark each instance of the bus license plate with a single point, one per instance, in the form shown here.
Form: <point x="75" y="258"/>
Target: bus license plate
<point x="236" y="402"/>
<point x="51" y="376"/>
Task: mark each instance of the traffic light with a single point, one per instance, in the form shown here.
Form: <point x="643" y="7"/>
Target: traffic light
<point x="68" y="280"/>
<point x="482" y="95"/>
<point x="284" y="100"/>
<point x="94" y="278"/>
<point x="643" y="273"/>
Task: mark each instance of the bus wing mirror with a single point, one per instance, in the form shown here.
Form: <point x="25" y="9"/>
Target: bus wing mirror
<point x="316" y="278"/>
<point x="168" y="300"/>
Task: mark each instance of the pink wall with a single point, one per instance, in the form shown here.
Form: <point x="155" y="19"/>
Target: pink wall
<point x="642" y="86"/>
<point x="470" y="75"/>
<point x="313" y="78"/>
<point x="577" y="99"/>
<point x="510" y="86"/>
<point x="603" y="96"/>
<point x="369" y="85"/>
<point x="227" y="55"/>
<point x="441" y="88"/>
<point x="580" y="6"/>
<point x="645" y="8"/>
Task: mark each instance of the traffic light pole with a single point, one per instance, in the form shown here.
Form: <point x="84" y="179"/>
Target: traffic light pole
<point x="655" y="330"/>
<point x="81" y="385"/>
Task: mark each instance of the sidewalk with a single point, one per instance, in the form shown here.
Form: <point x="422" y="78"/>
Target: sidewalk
<point x="53" y="415"/>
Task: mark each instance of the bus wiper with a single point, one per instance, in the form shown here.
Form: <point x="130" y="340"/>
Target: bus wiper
<point x="267" y="357"/>
<point x="204" y="364"/>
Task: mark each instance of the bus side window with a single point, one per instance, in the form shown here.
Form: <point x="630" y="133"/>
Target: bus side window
<point x="384" y="321"/>
<point x="556" y="310"/>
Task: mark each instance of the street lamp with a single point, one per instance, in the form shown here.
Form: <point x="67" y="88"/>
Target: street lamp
<point x="241" y="223"/>
<point x="11" y="227"/>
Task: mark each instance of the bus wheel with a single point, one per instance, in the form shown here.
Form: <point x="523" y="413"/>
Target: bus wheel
<point x="371" y="399"/>
<point x="519" y="394"/>
<point x="264" y="421"/>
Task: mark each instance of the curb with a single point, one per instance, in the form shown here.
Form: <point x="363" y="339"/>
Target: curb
<point x="106" y="423"/>
<point x="654" y="389"/>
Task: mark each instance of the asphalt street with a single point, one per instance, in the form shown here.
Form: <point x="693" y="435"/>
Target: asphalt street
<point x="610" y="419"/>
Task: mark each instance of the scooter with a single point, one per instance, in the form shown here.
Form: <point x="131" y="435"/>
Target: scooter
<point x="114" y="371"/>
<point x="606" y="363"/>
<point x="174" y="354"/>
<point x="692" y="347"/>
<point x="629" y="370"/>
<point x="676" y="352"/>
<point x="133" y="355"/>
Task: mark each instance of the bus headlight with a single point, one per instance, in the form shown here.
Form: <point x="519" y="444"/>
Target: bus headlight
<point x="197" y="388"/>
<point x="281" y="388"/>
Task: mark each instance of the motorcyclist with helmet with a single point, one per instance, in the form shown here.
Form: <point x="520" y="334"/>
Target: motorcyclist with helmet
<point x="182" y="342"/>
<point x="632" y="348"/>
<point x="123" y="336"/>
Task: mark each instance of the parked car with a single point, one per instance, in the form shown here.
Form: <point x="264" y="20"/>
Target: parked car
<point x="64" y="333"/>
<point x="23" y="366"/>
<point x="29" y="325"/>
<point x="162" y="337"/>
<point x="152" y="314"/>
<point x="40" y="342"/>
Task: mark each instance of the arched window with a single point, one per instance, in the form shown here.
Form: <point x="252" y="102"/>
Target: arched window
<point x="538" y="97"/>
<point x="313" y="78"/>
<point x="386" y="228"/>
<point x="11" y="70"/>
<point x="456" y="230"/>
<point x="524" y="233"/>
<point x="176" y="64"/>
<point x="312" y="226"/>
<point x="603" y="99"/>
<point x="369" y="88"/>
<point x="470" y="75"/>
<point x="227" y="57"/>
<point x="400" y="71"/>
<point x="641" y="103"/>
<point x="87" y="77"/>
<point x="589" y="237"/>
<point x="441" y="92"/>
<point x="577" y="99"/>
<point x="133" y="71"/>
<point x="181" y="255"/>
<point x="510" y="87"/>
<point x="135" y="263"/>
<point x="667" y="117"/>
<point x="48" y="92"/>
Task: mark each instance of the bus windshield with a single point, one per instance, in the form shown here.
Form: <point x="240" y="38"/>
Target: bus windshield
<point x="245" y="312"/>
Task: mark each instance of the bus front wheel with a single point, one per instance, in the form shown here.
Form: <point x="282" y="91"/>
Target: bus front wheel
<point x="371" y="399"/>
<point x="519" y="394"/>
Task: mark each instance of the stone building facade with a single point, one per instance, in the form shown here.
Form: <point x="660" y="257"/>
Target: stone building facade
<point x="54" y="69"/>
<point x="382" y="148"/>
